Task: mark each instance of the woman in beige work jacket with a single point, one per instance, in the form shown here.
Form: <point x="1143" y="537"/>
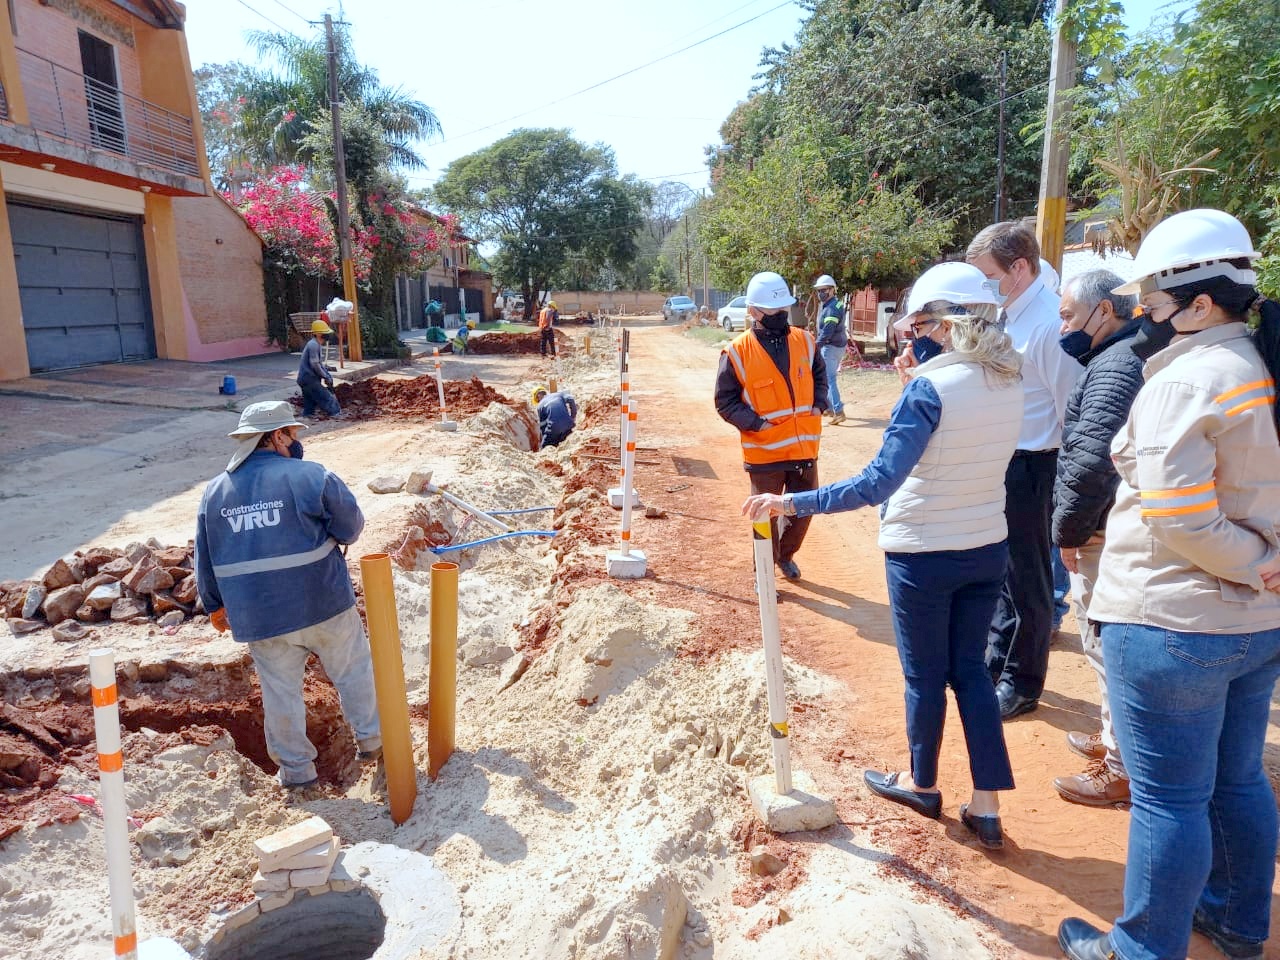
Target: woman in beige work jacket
<point x="1187" y="601"/>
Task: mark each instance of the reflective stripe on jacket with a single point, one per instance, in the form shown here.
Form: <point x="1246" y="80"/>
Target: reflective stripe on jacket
<point x="1198" y="505"/>
<point x="795" y="426"/>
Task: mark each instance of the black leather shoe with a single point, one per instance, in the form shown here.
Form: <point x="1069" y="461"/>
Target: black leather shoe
<point x="1012" y="703"/>
<point x="1228" y="945"/>
<point x="886" y="785"/>
<point x="789" y="569"/>
<point x="1083" y="941"/>
<point x="985" y="828"/>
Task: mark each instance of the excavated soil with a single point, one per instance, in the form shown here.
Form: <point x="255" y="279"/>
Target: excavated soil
<point x="513" y="343"/>
<point x="38" y="739"/>
<point x="412" y="399"/>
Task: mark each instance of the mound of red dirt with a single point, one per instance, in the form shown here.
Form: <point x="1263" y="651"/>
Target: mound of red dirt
<point x="413" y="399"/>
<point x="512" y="342"/>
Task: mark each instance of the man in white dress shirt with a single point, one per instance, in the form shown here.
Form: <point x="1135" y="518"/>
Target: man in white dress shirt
<point x="1018" y="644"/>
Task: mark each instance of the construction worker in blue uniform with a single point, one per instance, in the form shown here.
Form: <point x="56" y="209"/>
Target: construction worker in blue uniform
<point x="833" y="339"/>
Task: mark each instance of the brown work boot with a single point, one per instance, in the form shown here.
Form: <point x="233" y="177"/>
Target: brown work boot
<point x="1088" y="745"/>
<point x="1096" y="787"/>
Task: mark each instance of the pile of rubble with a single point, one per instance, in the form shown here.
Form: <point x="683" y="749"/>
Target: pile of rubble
<point x="298" y="857"/>
<point x="141" y="582"/>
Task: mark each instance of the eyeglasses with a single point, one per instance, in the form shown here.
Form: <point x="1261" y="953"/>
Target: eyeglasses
<point x="918" y="326"/>
<point x="1149" y="310"/>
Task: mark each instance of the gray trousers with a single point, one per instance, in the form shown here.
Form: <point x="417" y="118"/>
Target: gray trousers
<point x="340" y="644"/>
<point x="1087" y="559"/>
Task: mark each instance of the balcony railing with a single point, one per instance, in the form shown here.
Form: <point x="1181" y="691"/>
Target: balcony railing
<point x="94" y="114"/>
<point x="4" y="103"/>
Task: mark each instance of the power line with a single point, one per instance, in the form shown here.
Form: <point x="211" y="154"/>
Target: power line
<point x="283" y="6"/>
<point x="268" y="19"/>
<point x="625" y="73"/>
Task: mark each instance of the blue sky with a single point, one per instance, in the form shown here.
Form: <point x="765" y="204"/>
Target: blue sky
<point x="487" y="67"/>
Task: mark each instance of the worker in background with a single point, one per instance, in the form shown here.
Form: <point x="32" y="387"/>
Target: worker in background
<point x="557" y="415"/>
<point x="833" y="338"/>
<point x="459" y="341"/>
<point x="434" y="312"/>
<point x="269" y="567"/>
<point x="1018" y="648"/>
<point x="1097" y="330"/>
<point x="547" y="318"/>
<point x="772" y="386"/>
<point x="312" y="373"/>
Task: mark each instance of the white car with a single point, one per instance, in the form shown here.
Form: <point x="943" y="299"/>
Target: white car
<point x="733" y="315"/>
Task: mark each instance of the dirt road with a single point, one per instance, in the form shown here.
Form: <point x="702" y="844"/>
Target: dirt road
<point x="1060" y="859"/>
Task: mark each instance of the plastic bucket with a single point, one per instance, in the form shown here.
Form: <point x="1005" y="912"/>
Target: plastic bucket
<point x="228" y="385"/>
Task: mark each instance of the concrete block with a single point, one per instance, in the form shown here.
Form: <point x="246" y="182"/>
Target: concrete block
<point x="242" y="916"/>
<point x="277" y="881"/>
<point x="615" y="498"/>
<point x="801" y="809"/>
<point x="277" y="848"/>
<point x="626" y="566"/>
<point x="276" y="901"/>
<point x="448" y="426"/>
<point x="161" y="948"/>
<point x="301" y="879"/>
<point x="321" y="855"/>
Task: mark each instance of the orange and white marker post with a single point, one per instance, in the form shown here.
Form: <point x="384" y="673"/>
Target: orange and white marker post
<point x="625" y="427"/>
<point x="445" y="423"/>
<point x="627" y="563"/>
<point x="106" y="722"/>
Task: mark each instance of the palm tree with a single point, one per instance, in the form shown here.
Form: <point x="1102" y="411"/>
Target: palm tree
<point x="281" y="107"/>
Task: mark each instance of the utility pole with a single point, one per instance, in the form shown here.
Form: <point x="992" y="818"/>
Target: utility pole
<point x="706" y="287"/>
<point x="1051" y="212"/>
<point x="1004" y="66"/>
<point x="688" y="283"/>
<point x="340" y="177"/>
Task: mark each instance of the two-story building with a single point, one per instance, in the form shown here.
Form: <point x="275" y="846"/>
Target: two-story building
<point x="450" y="280"/>
<point x="114" y="244"/>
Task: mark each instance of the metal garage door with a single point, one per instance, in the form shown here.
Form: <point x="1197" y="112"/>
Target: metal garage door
<point x="83" y="282"/>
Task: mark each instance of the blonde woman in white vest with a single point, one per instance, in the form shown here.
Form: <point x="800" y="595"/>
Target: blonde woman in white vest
<point x="939" y="477"/>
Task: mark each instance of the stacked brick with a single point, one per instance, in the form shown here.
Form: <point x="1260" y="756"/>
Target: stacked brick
<point x="141" y="583"/>
<point x="297" y="857"/>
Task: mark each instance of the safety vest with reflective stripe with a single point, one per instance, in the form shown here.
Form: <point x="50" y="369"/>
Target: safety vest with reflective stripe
<point x="795" y="427"/>
<point x="545" y="317"/>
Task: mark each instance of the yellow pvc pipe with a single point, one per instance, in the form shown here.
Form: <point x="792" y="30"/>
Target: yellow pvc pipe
<point x="388" y="681"/>
<point x="443" y="683"/>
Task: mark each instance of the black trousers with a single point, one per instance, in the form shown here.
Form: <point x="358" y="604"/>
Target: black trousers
<point x="1018" y="642"/>
<point x="788" y="532"/>
<point x="548" y="339"/>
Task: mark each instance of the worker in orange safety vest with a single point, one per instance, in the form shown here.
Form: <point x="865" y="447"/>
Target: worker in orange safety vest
<point x="772" y="386"/>
<point x="547" y="318"/>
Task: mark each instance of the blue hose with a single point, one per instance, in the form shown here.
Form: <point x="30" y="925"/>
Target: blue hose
<point x="508" y="513"/>
<point x="450" y="547"/>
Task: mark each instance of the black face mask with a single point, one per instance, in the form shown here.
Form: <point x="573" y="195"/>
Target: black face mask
<point x="775" y="322"/>
<point x="1152" y="337"/>
<point x="295" y="450"/>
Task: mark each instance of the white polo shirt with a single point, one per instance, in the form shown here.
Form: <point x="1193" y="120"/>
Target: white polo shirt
<point x="1048" y="374"/>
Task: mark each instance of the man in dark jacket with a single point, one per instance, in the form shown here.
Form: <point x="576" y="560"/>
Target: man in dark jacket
<point x="1097" y="329"/>
<point x="772" y="386"/>
<point x="833" y="338"/>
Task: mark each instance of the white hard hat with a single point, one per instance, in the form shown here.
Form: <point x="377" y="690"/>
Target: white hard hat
<point x="824" y="281"/>
<point x="1049" y="275"/>
<point x="1191" y="246"/>
<point x="958" y="283"/>
<point x="768" y="291"/>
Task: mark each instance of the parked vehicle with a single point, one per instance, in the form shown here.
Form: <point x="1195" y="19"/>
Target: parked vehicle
<point x="885" y="321"/>
<point x="733" y="315"/>
<point x="870" y="316"/>
<point x="678" y="308"/>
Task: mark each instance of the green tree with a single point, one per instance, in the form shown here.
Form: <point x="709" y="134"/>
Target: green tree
<point x="218" y="97"/>
<point x="907" y="89"/>
<point x="549" y="202"/>
<point x="788" y="213"/>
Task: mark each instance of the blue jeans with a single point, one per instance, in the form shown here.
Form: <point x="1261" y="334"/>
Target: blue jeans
<point x="314" y="395"/>
<point x="1190" y="713"/>
<point x="941" y="604"/>
<point x="1061" y="587"/>
<point x="831" y="357"/>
